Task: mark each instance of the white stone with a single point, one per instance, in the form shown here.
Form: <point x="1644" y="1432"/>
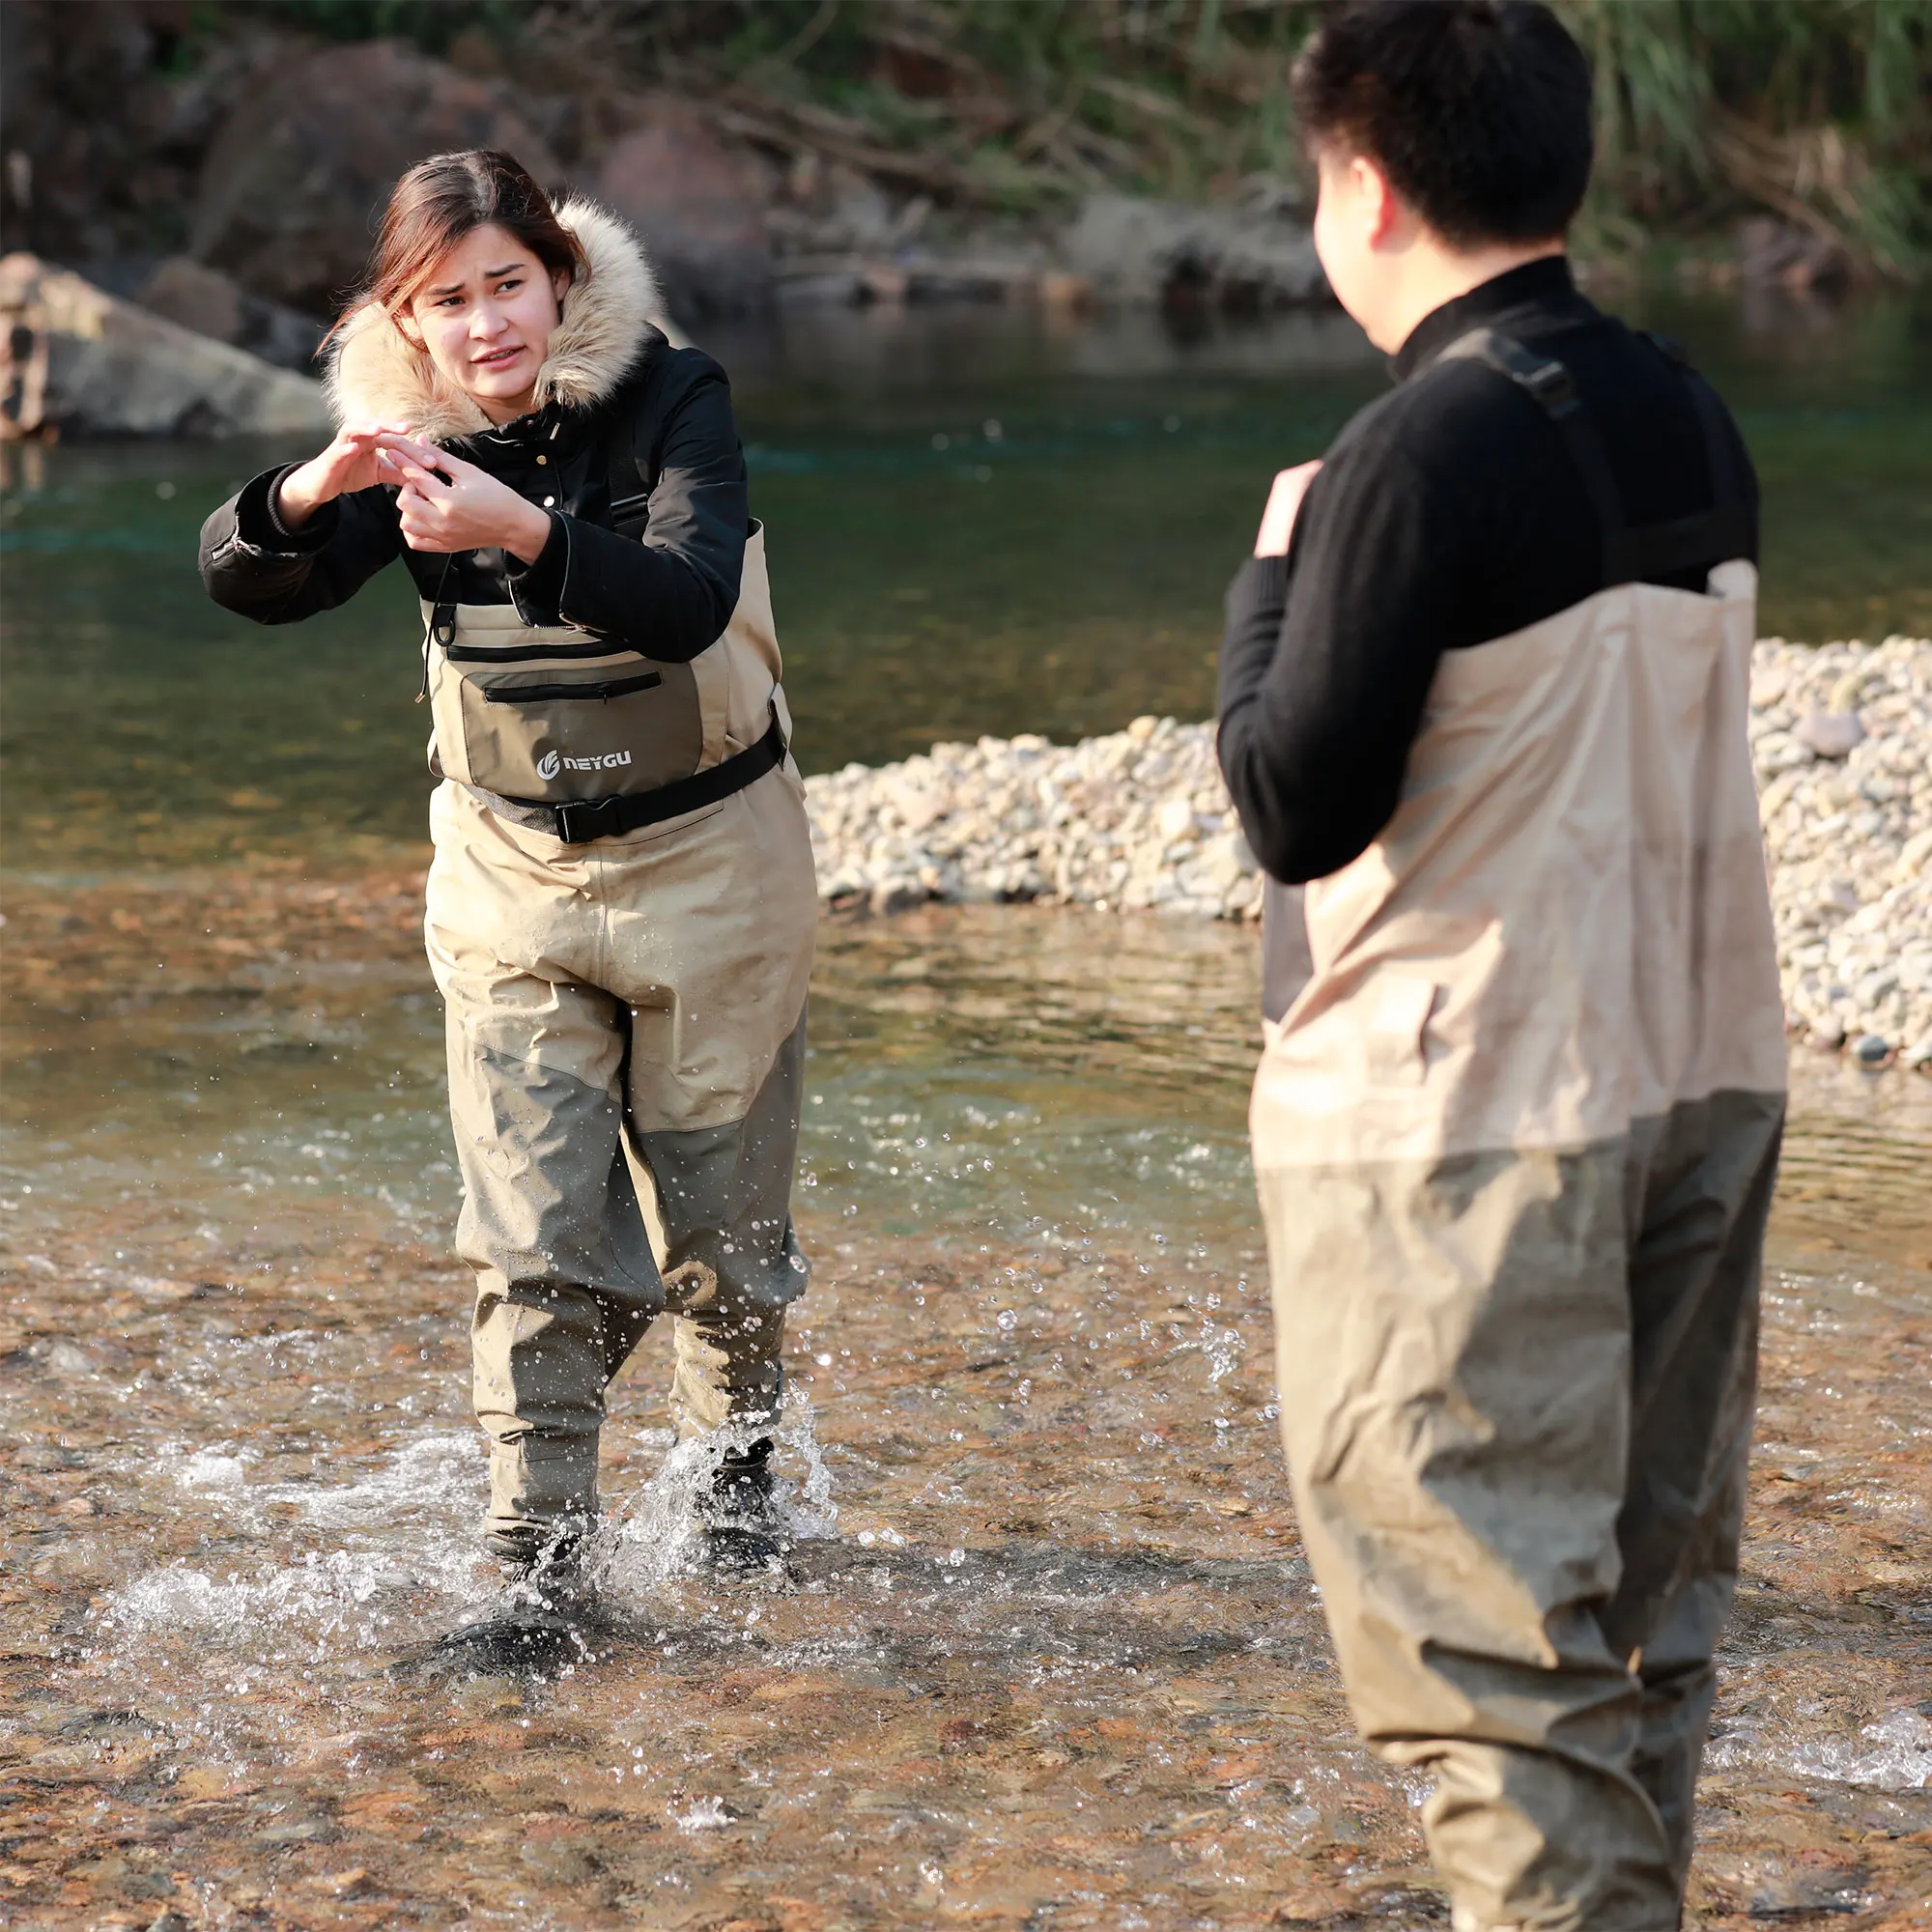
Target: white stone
<point x="1831" y="734"/>
<point x="1841" y="739"/>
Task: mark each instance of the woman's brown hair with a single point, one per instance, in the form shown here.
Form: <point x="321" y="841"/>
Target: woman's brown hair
<point x="448" y="196"/>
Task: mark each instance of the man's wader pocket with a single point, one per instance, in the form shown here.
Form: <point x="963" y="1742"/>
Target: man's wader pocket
<point x="544" y="714"/>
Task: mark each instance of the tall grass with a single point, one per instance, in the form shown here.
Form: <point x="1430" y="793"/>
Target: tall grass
<point x="1817" y="110"/>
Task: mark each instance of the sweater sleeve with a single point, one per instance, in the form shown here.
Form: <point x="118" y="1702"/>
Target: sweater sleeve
<point x="250" y="563"/>
<point x="671" y="592"/>
<point x="1327" y="660"/>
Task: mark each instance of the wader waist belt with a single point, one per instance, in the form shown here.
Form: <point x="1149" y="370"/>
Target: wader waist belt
<point x="578" y="821"/>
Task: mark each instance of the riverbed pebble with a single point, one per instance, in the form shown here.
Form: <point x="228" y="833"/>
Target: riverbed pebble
<point x="1139" y="820"/>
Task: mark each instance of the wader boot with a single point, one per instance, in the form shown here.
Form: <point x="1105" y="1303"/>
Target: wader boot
<point x="1514" y="1141"/>
<point x="544" y="1616"/>
<point x="744" y="1533"/>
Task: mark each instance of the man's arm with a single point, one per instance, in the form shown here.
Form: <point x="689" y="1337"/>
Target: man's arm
<point x="1327" y="660"/>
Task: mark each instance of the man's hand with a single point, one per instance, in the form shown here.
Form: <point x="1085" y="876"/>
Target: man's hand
<point x="470" y="511"/>
<point x="1283" y="506"/>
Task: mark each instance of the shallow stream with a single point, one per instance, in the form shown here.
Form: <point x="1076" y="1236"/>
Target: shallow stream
<point x="1053" y="1658"/>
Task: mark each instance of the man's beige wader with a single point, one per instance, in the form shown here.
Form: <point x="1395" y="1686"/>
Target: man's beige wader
<point x="626" y="1030"/>
<point x="1516" y="1141"/>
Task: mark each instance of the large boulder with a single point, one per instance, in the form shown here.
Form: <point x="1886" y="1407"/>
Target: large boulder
<point x="210" y="303"/>
<point x="293" y="186"/>
<point x="700" y="200"/>
<point x="1144" y="253"/>
<point x="76" y="360"/>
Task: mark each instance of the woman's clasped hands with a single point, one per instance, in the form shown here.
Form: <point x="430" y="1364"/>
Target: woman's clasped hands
<point x="447" y="504"/>
<point x="443" y="504"/>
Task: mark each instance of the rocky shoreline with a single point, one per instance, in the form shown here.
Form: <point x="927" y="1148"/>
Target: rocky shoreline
<point x="1139" y="820"/>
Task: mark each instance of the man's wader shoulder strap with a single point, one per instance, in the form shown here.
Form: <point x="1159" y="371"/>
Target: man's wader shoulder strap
<point x="1630" y="557"/>
<point x="1652" y="551"/>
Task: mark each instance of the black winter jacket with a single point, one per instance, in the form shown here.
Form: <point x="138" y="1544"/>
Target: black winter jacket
<point x="657" y="573"/>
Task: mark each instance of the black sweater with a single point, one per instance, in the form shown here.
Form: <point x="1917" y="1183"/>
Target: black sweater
<point x="669" y="596"/>
<point x="1447" y="514"/>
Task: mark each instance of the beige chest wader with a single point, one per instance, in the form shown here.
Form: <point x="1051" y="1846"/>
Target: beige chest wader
<point x="625" y="1022"/>
<point x="1515" y="1139"/>
<point x="611" y="740"/>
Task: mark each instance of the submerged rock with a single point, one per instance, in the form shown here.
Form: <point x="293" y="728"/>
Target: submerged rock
<point x="76" y="360"/>
<point x="1141" y="820"/>
<point x="1145" y="252"/>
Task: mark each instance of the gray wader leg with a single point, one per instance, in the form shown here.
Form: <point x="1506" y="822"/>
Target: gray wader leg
<point x="720" y="1204"/>
<point x="568" y="1254"/>
<point x="1707" y="1173"/>
<point x="552" y="1224"/>
<point x="1514" y="1392"/>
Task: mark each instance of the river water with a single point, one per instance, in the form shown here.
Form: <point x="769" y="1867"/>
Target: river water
<point x="1053" y="1657"/>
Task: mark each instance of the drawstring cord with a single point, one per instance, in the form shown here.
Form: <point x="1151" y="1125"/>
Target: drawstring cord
<point x="436" y="622"/>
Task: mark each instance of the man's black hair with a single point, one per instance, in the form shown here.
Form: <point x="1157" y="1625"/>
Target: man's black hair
<point x="1477" y="110"/>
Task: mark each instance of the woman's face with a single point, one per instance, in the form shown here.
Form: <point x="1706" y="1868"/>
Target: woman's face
<point x="485" y="314"/>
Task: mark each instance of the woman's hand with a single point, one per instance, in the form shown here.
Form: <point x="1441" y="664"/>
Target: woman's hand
<point x="352" y="462"/>
<point x="1283" y="506"/>
<point x="470" y="511"/>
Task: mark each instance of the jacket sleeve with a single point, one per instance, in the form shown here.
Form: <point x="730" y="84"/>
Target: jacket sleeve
<point x="670" y="593"/>
<point x="1326" y="664"/>
<point x="251" y="565"/>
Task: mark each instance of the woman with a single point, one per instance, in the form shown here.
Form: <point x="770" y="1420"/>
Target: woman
<point x="621" y="906"/>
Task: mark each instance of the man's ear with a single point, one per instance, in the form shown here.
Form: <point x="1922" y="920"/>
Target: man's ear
<point x="1379" y="201"/>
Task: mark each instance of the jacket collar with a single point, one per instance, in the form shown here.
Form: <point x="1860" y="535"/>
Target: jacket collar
<point x="376" y="374"/>
<point x="1545" y="285"/>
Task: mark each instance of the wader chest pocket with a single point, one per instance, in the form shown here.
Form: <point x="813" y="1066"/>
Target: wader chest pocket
<point x="559" y="730"/>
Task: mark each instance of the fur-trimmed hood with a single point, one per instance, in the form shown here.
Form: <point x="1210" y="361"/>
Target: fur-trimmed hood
<point x="376" y="374"/>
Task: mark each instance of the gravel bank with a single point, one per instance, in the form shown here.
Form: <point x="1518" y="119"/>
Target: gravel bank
<point x="1140" y="821"/>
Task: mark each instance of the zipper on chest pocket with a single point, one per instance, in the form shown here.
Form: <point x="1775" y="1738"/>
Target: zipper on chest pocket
<point x="530" y="694"/>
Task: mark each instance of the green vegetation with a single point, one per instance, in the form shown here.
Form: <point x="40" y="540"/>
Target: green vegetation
<point x="1818" y="111"/>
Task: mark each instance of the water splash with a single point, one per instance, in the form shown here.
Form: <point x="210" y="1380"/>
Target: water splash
<point x="1894" y="1753"/>
<point x="656" y="1538"/>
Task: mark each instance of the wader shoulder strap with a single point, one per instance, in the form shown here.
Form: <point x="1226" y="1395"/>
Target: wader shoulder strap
<point x="1730" y="513"/>
<point x="630" y="482"/>
<point x="1652" y="551"/>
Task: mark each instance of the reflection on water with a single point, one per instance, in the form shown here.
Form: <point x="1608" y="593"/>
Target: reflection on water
<point x="976" y="525"/>
<point x="1052" y="1658"/>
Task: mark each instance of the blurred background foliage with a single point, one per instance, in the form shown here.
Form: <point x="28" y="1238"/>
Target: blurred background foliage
<point x="1817" y="111"/>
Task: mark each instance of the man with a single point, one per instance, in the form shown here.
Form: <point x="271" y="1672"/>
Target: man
<point x="1485" y="689"/>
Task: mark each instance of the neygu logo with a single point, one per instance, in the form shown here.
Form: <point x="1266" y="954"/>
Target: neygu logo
<point x="554" y="761"/>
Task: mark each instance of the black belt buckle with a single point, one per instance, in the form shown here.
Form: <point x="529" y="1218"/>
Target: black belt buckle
<point x="579" y="821"/>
